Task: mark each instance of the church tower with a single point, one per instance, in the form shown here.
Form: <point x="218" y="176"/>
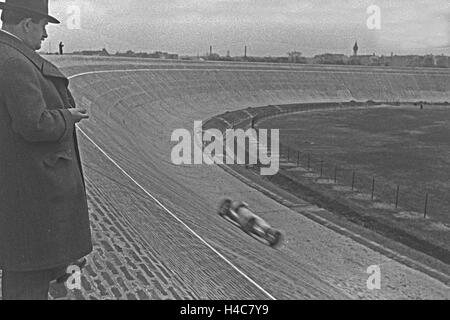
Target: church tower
<point x="355" y="49"/>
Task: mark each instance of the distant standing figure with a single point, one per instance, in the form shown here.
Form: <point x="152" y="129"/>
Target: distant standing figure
<point x="61" y="46"/>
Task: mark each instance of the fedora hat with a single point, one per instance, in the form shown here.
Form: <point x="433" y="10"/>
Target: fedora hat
<point x="37" y="7"/>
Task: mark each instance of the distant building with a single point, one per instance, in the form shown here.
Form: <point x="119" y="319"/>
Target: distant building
<point x="364" y="60"/>
<point x="172" y="56"/>
<point x="414" y="61"/>
<point x="442" y="61"/>
<point x="102" y="52"/>
<point x="163" y="55"/>
<point x="154" y="55"/>
<point x="401" y="61"/>
<point x="330" y="58"/>
<point x="212" y="56"/>
<point x="281" y="60"/>
<point x="296" y="57"/>
<point x="429" y="61"/>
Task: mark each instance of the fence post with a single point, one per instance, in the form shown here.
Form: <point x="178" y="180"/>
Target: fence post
<point x="309" y="161"/>
<point x="289" y="153"/>
<point x="426" y="206"/>
<point x="396" y="196"/>
<point x="298" y="158"/>
<point x="373" y="188"/>
<point x="321" y="168"/>
<point x="353" y="180"/>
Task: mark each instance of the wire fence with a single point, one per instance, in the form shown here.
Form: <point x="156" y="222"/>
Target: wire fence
<point x="367" y="187"/>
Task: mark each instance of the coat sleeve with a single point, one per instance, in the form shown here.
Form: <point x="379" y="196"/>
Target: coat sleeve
<point x="27" y="108"/>
<point x="71" y="99"/>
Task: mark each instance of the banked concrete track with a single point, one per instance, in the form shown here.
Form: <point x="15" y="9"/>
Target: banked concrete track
<point x="177" y="247"/>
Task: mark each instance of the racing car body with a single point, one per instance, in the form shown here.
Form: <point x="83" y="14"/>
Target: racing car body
<point x="238" y="212"/>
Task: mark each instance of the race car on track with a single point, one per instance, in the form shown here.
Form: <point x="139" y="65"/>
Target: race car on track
<point x="239" y="213"/>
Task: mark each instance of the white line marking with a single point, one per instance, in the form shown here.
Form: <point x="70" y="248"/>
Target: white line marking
<point x="173" y="215"/>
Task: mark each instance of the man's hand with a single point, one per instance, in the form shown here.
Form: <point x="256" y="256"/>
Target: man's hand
<point x="78" y="114"/>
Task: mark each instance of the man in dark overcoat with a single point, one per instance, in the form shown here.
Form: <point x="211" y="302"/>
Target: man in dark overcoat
<point x="44" y="222"/>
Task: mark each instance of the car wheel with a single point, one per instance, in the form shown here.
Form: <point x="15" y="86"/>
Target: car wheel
<point x="224" y="207"/>
<point x="276" y="238"/>
<point x="249" y="226"/>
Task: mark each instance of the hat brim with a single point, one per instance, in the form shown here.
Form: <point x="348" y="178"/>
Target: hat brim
<point x="4" y="6"/>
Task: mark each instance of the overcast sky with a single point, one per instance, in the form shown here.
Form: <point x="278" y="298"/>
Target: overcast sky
<point x="267" y="27"/>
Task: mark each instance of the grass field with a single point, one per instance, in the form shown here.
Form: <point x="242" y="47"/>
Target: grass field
<point x="402" y="146"/>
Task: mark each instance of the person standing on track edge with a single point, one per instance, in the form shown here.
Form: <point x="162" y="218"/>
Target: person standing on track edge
<point x="44" y="221"/>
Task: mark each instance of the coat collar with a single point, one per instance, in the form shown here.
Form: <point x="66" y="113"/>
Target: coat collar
<point x="45" y="67"/>
<point x="7" y="32"/>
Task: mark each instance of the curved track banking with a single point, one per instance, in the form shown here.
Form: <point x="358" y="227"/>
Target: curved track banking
<point x="169" y="213"/>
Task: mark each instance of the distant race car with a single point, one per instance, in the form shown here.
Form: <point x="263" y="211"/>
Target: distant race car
<point x="239" y="213"/>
